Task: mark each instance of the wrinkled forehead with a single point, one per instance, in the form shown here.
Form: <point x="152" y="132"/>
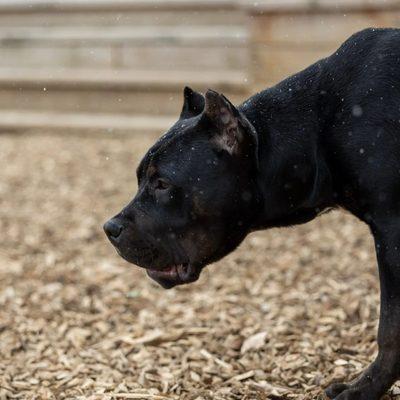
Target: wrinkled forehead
<point x="181" y="147"/>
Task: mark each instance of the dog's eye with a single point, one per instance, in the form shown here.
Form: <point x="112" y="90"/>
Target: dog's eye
<point x="162" y="185"/>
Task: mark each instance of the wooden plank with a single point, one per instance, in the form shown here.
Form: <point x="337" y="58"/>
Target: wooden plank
<point x="58" y="57"/>
<point x="129" y="18"/>
<point x="197" y="58"/>
<point x="212" y="36"/>
<point x="140" y="47"/>
<point x="92" y="5"/>
<point x="120" y="80"/>
<point x="296" y="6"/>
<point x="158" y="58"/>
<point x="81" y="122"/>
<point x="359" y="4"/>
<point x="129" y="102"/>
<point x="323" y="30"/>
<point x="272" y="6"/>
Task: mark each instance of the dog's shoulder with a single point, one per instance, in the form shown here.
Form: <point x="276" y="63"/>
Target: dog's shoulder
<point x="374" y="46"/>
<point x="370" y="40"/>
<point x="366" y="64"/>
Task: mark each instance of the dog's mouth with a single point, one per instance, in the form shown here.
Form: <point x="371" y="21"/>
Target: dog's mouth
<point x="174" y="275"/>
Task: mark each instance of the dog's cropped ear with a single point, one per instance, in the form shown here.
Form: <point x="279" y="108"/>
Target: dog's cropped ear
<point x="233" y="133"/>
<point x="193" y="103"/>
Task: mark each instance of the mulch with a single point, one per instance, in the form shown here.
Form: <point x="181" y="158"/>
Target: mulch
<point x="280" y="318"/>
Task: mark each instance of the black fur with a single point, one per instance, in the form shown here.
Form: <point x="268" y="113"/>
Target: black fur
<point x="326" y="137"/>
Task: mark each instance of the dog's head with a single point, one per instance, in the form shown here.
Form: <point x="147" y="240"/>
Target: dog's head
<point x="196" y="193"/>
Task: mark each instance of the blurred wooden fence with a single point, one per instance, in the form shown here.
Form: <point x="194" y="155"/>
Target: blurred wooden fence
<point x="288" y="35"/>
<point x="122" y="64"/>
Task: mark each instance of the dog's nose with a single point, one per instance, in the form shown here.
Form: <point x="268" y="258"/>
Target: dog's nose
<point x="112" y="228"/>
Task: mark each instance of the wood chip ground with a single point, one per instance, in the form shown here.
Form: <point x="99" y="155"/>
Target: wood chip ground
<point x="287" y="313"/>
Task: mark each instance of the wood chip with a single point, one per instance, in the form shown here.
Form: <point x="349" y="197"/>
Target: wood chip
<point x="254" y="342"/>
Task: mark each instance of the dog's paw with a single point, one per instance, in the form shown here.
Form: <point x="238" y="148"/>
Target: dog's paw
<point x="335" y="389"/>
<point x="355" y="394"/>
<point x="355" y="391"/>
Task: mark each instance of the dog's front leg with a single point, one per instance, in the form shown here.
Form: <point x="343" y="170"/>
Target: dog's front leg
<point x="385" y="370"/>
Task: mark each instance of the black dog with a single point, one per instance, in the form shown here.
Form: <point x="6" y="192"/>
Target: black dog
<point x="326" y="137"/>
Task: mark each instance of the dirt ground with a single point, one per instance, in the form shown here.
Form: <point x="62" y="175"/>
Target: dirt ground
<point x="284" y="315"/>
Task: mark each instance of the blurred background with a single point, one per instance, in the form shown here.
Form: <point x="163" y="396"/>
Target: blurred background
<point x="86" y="86"/>
<point x="121" y="65"/>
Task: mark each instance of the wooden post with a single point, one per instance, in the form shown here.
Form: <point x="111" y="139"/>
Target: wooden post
<point x="288" y="35"/>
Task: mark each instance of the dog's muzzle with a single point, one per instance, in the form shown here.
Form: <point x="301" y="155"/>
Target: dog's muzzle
<point x="158" y="264"/>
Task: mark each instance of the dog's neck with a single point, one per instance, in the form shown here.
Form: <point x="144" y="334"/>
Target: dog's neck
<point x="294" y="181"/>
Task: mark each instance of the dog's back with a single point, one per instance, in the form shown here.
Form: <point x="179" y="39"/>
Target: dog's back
<point x="361" y="136"/>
